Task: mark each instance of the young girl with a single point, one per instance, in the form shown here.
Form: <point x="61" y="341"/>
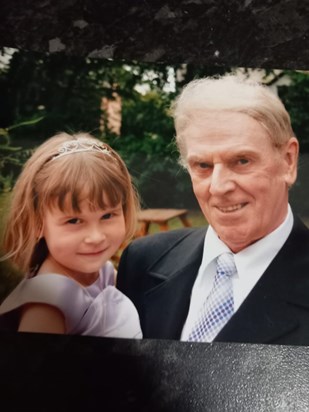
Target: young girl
<point x="73" y="206"/>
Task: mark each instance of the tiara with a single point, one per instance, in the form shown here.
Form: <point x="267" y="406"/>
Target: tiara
<point x="81" y="145"/>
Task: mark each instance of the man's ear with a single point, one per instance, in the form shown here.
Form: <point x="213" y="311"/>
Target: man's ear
<point x="291" y="151"/>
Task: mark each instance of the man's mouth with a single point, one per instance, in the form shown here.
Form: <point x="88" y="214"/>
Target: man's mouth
<point x="232" y="208"/>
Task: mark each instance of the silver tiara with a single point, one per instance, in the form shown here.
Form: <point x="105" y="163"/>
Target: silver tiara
<point x="81" y="145"/>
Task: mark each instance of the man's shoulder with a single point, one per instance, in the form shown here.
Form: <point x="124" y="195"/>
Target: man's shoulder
<point x="170" y="246"/>
<point x="300" y="231"/>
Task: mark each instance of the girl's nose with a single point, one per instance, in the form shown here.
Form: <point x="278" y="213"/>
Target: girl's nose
<point x="95" y="235"/>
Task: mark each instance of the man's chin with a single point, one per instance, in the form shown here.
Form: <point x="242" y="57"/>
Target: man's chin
<point x="234" y="239"/>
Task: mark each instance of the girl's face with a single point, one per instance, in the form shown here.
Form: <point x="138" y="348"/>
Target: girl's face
<point x="80" y="243"/>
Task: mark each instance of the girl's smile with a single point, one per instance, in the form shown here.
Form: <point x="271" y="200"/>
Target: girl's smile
<point x="79" y="244"/>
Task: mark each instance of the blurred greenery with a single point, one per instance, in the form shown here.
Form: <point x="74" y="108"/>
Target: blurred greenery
<point x="296" y="99"/>
<point x="66" y="92"/>
<point x="9" y="275"/>
<point x="12" y="158"/>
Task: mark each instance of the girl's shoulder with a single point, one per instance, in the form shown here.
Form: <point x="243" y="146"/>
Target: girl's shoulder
<point x="52" y="289"/>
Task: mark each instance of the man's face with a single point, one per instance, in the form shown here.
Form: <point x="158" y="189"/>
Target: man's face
<point x="239" y="178"/>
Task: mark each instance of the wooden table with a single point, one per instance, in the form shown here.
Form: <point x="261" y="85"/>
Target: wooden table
<point x="161" y="217"/>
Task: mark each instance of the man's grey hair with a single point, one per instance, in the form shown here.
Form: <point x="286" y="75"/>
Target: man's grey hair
<point x="232" y="94"/>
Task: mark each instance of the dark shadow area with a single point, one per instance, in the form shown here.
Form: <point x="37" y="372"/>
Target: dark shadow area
<point x="61" y="373"/>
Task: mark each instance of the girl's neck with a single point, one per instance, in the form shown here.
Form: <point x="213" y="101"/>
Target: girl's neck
<point x="51" y="266"/>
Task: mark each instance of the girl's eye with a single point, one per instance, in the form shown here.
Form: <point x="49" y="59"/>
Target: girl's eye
<point x="107" y="216"/>
<point x="73" y="221"/>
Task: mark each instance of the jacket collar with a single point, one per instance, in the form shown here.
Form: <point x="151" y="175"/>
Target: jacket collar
<point x="170" y="298"/>
<point x="268" y="312"/>
<point x="183" y="254"/>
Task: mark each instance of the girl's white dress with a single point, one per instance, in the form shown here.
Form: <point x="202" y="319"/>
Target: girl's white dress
<point x="96" y="310"/>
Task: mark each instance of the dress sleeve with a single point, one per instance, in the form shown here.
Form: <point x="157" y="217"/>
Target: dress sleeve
<point x="107" y="274"/>
<point x="52" y="289"/>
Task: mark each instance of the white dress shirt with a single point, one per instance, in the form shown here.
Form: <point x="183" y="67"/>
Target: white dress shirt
<point x="251" y="263"/>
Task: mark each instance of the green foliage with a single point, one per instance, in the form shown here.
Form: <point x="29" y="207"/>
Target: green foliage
<point x="66" y="93"/>
<point x="296" y="99"/>
<point x="146" y="144"/>
<point x="66" y="90"/>
<point x="12" y="158"/>
<point x="10" y="276"/>
<point x="8" y="160"/>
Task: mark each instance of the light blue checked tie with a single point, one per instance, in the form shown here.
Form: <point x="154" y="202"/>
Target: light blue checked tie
<point x="219" y="305"/>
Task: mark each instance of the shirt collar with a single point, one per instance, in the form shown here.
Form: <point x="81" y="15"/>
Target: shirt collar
<point x="260" y="252"/>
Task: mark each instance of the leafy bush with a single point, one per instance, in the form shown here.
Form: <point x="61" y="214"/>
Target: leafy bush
<point x="147" y="146"/>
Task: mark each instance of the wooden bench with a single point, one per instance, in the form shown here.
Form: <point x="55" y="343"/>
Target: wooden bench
<point x="161" y="217"/>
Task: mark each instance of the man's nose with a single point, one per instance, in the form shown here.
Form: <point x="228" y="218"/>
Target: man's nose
<point x="221" y="180"/>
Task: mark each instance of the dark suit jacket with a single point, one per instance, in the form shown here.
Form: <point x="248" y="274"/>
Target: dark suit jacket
<point x="157" y="273"/>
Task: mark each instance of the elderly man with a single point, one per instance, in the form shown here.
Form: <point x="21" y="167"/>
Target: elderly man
<point x="245" y="278"/>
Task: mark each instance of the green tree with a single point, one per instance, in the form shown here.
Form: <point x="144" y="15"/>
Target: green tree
<point x="296" y="99"/>
<point x="12" y="158"/>
<point x="147" y="145"/>
<point x="67" y="92"/>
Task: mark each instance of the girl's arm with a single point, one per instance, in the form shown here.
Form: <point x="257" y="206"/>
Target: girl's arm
<point x="41" y="318"/>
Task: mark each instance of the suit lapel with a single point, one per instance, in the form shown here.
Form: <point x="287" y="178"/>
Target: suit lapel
<point x="268" y="311"/>
<point x="167" y="303"/>
<point x="263" y="317"/>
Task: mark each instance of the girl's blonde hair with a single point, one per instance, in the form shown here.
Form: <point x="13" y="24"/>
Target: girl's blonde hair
<point x="49" y="179"/>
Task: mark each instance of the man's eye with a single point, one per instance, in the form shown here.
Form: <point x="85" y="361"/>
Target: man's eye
<point x="204" y="165"/>
<point x="107" y="216"/>
<point x="243" y="161"/>
<point x="73" y="221"/>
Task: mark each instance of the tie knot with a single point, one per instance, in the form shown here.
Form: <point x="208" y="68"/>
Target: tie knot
<point x="226" y="265"/>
